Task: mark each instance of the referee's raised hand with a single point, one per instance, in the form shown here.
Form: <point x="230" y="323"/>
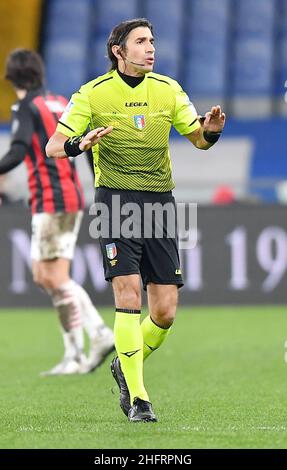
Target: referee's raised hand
<point x="214" y="120"/>
<point x="93" y="137"/>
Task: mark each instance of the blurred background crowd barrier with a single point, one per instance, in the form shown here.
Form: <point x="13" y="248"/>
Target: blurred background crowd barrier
<point x="240" y="258"/>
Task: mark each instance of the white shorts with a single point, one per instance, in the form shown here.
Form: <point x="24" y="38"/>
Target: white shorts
<point x="54" y="235"/>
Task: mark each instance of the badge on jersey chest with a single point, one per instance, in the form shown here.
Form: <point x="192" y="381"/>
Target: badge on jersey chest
<point x="139" y="121"/>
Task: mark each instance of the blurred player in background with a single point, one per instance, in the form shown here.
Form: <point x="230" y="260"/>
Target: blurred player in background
<point x="133" y="109"/>
<point x="57" y="204"/>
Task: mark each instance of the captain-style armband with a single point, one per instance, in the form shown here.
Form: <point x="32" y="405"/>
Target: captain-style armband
<point x="72" y="146"/>
<point x="211" y="137"/>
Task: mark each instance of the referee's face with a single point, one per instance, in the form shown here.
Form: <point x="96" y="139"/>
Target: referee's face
<point x="139" y="51"/>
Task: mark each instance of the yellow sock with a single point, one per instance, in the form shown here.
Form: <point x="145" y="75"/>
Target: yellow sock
<point x="129" y="346"/>
<point x="153" y="336"/>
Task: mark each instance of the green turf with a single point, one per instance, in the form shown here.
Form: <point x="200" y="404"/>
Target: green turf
<point x="220" y="381"/>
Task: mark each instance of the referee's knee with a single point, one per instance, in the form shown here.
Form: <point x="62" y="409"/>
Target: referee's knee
<point x="163" y="316"/>
<point x="163" y="309"/>
<point x="127" y="292"/>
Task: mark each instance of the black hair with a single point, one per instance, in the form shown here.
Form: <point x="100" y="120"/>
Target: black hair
<point x="25" y="69"/>
<point x="119" y="35"/>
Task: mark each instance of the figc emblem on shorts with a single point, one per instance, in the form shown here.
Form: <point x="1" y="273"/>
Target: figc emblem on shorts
<point x="111" y="250"/>
<point x="139" y="121"/>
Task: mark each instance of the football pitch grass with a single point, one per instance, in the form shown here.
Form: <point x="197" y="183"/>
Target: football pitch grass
<point x="220" y="381"/>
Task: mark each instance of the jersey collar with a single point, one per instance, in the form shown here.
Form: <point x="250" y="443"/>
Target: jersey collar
<point x="125" y="86"/>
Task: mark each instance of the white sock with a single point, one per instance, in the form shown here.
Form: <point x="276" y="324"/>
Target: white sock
<point x="66" y="301"/>
<point x="72" y="340"/>
<point x="92" y="320"/>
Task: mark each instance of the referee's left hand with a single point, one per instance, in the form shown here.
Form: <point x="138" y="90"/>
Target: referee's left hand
<point x="93" y="137"/>
<point x="214" y="120"/>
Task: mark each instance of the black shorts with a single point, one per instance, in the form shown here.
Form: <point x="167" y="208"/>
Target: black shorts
<point x="136" y="242"/>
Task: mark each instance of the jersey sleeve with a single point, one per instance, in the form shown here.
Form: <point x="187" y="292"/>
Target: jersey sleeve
<point x="185" y="116"/>
<point x="22" y="126"/>
<point x="77" y="115"/>
<point x="13" y="157"/>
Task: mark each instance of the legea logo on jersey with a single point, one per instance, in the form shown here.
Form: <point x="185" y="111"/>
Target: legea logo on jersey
<point x="139" y="121"/>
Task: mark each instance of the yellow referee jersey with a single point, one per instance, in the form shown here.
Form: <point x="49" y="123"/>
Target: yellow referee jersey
<point x="135" y="155"/>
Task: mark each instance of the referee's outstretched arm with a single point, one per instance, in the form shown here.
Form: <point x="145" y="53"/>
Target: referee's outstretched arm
<point x="211" y="127"/>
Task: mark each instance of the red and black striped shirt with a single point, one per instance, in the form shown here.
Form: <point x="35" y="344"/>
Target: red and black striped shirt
<point x="54" y="184"/>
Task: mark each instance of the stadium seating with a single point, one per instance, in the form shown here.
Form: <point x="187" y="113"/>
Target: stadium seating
<point x="281" y="62"/>
<point x="216" y="49"/>
<point x="106" y="14"/>
<point x="251" y="72"/>
<point x="205" y="48"/>
<point x="66" y="44"/>
<point x="167" y="18"/>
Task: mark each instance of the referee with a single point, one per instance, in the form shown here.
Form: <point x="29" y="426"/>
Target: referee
<point x="131" y="110"/>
